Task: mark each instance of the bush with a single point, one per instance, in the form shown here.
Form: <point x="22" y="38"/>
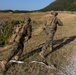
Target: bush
<point x="7" y="30"/>
<point x="15" y="22"/>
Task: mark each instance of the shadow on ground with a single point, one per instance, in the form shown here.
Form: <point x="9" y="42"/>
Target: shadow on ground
<point x="60" y="43"/>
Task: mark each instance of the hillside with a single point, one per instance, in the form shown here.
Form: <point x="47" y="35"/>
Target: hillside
<point x="59" y="5"/>
<point x="64" y="47"/>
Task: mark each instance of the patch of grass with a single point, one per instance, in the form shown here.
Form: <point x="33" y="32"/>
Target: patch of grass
<point x="7" y="30"/>
<point x="64" y="44"/>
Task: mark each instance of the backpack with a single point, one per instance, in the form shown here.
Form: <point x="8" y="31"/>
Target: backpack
<point x="50" y="21"/>
<point x="17" y="33"/>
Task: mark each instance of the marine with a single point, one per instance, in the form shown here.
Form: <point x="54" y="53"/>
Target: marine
<point x="50" y="29"/>
<point x="24" y="30"/>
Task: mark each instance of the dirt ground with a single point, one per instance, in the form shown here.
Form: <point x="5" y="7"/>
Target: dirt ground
<point x="64" y="46"/>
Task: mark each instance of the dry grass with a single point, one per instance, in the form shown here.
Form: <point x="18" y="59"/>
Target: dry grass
<point x="64" y="43"/>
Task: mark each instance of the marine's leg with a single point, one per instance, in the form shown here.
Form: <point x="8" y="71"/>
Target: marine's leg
<point x="13" y="53"/>
<point x="51" y="44"/>
<point x="51" y="41"/>
<point x="45" y="46"/>
<point x="20" y="51"/>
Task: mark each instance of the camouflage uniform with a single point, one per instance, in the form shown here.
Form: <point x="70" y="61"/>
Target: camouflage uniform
<point x="50" y="29"/>
<point x="19" y="42"/>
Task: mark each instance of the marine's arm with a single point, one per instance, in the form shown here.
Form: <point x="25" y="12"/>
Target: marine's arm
<point x="58" y="21"/>
<point x="45" y="23"/>
<point x="29" y="31"/>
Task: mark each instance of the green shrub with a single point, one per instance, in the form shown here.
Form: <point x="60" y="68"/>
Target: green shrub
<point x="15" y="22"/>
<point x="7" y="31"/>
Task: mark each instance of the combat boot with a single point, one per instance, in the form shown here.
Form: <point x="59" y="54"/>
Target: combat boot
<point x="42" y="54"/>
<point x="3" y="65"/>
<point x="17" y="58"/>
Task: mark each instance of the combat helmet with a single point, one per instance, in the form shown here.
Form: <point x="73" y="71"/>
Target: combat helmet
<point x="27" y="19"/>
<point x="54" y="13"/>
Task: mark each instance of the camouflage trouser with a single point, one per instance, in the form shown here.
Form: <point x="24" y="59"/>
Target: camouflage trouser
<point x="18" y="50"/>
<point x="49" y="43"/>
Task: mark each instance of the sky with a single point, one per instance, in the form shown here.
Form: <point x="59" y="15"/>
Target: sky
<point x="24" y="4"/>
